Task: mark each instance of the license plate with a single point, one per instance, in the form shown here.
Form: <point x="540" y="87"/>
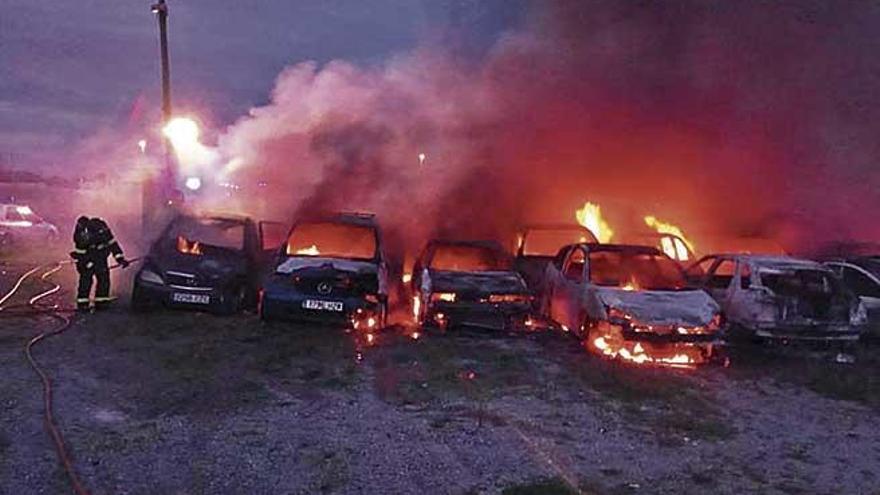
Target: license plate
<point x="322" y="305"/>
<point x="183" y="297"/>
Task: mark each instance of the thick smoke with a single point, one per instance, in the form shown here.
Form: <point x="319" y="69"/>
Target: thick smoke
<point x="723" y="117"/>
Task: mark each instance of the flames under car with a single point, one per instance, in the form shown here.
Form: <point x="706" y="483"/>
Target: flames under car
<point x="468" y="283"/>
<point x="201" y="262"/>
<point x="780" y="298"/>
<point x="631" y="303"/>
<point x="329" y="270"/>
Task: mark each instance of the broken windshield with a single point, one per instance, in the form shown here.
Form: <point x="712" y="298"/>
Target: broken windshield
<point x="460" y="258"/>
<point x="215" y="232"/>
<point x="635" y="271"/>
<point x="332" y="240"/>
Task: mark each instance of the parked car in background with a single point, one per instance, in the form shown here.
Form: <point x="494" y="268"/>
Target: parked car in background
<point x="207" y="262"/>
<point x="538" y="244"/>
<point x="861" y="275"/>
<point x="19" y="224"/>
<point x="468" y="284"/>
<point x="632" y="303"/>
<point x="780" y="298"/>
<point x="330" y="269"/>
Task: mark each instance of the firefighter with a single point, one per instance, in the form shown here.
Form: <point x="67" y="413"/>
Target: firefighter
<point x="93" y="243"/>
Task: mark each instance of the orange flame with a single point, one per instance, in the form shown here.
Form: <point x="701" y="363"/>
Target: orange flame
<point x="188" y="247"/>
<point x="309" y="251"/>
<point x="607" y="340"/>
<point x="673" y="249"/>
<point x="590" y="216"/>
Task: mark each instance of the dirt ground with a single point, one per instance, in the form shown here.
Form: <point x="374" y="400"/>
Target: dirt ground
<point x="177" y="402"/>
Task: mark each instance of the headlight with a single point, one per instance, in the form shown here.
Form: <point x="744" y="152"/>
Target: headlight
<point x="151" y="277"/>
<point x="443" y="296"/>
<point x="509" y="298"/>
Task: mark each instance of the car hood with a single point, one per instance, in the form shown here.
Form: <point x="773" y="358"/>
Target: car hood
<point x="214" y="266"/>
<point x="477" y="282"/>
<point x="688" y="307"/>
<point x="291" y="265"/>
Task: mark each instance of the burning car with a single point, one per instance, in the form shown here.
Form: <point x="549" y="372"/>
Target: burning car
<point x="19" y="224"/>
<point x="538" y="244"/>
<point x="332" y="270"/>
<point x="201" y="262"/>
<point x="861" y="276"/>
<point x="780" y="298"/>
<point x="632" y="303"/>
<point x="468" y="283"/>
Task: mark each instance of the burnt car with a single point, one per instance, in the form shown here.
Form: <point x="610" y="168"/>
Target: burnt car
<point x="780" y="298"/>
<point x="468" y="283"/>
<point x="861" y="275"/>
<point x="632" y="303"/>
<point x="332" y="270"/>
<point x="19" y="224"/>
<point x="207" y="262"/>
<point x="538" y="244"/>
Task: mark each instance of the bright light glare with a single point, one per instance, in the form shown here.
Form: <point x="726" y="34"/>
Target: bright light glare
<point x="193" y="183"/>
<point x="142" y="145"/>
<point x="183" y="130"/>
<point x="422" y="158"/>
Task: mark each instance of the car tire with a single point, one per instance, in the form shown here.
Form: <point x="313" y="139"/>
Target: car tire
<point x="139" y="302"/>
<point x="234" y="301"/>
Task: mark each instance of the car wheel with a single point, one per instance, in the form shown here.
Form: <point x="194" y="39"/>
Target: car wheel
<point x="234" y="301"/>
<point x="139" y="302"/>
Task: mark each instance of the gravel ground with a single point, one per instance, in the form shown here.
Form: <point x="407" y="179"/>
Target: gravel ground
<point x="178" y="402"/>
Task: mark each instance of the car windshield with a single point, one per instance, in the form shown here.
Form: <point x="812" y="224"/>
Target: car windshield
<point x="798" y="282"/>
<point x="193" y="233"/>
<point x="462" y="258"/>
<point x="546" y="242"/>
<point x="28" y="214"/>
<point x="635" y="271"/>
<point x="332" y="240"/>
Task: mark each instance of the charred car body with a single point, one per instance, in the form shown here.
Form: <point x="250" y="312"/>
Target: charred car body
<point x="201" y="262"/>
<point x="331" y="270"/>
<point x="861" y="276"/>
<point x="468" y="283"/>
<point x="780" y="298"/>
<point x="633" y="303"/>
<point x="537" y="246"/>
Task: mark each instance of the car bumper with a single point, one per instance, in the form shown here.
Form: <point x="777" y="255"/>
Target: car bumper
<point x="165" y="295"/>
<point x="278" y="305"/>
<point x="805" y="333"/>
<point x="481" y="315"/>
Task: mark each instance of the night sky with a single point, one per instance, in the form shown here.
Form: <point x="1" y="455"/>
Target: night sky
<point x="68" y="69"/>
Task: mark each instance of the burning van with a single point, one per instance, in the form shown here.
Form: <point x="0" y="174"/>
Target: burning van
<point x="468" y="283"/>
<point x="631" y="303"/>
<point x="201" y="262"/>
<point x="330" y="270"/>
<point x="780" y="298"/>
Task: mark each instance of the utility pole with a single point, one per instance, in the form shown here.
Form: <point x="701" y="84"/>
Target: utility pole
<point x="158" y="191"/>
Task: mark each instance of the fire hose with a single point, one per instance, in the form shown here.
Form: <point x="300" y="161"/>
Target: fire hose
<point x="35" y="308"/>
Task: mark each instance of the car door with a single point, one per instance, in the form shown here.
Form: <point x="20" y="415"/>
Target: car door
<point x="568" y="293"/>
<point x="719" y="281"/>
<point x="863" y="284"/>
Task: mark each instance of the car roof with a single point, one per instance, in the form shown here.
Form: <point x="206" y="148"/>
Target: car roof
<point x="229" y="217"/>
<point x="595" y="247"/>
<point x="773" y="260"/>
<point x="481" y="243"/>
<point x="350" y="218"/>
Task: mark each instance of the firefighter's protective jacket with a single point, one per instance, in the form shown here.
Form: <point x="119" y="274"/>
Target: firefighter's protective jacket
<point x="93" y="242"/>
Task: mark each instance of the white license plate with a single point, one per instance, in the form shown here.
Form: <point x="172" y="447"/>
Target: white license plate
<point x="183" y="297"/>
<point x="322" y="305"/>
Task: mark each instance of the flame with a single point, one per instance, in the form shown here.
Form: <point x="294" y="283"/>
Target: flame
<point x="183" y="133"/>
<point x="188" y="247"/>
<point x="590" y="216"/>
<point x="607" y="340"/>
<point x="309" y="251"/>
<point x="671" y="248"/>
<point x="406" y="278"/>
<point x="417" y="304"/>
<point x="630" y="286"/>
